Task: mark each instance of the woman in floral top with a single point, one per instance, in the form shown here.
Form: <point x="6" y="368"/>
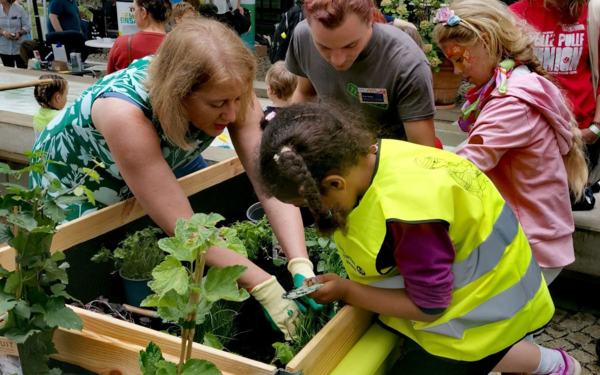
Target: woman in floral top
<point x="156" y="116"/>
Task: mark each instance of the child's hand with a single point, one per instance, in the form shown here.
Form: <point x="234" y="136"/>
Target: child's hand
<point x="335" y="288"/>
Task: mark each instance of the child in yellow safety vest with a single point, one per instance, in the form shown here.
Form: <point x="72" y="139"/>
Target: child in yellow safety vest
<point x="52" y="98"/>
<point x="427" y="240"/>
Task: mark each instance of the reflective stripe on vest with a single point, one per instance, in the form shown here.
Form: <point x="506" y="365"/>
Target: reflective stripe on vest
<point x="488" y="254"/>
<point x="481" y="260"/>
<point x="500" y="307"/>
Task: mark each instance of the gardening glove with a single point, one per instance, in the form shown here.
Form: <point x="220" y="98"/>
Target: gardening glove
<point x="302" y="268"/>
<point x="282" y="314"/>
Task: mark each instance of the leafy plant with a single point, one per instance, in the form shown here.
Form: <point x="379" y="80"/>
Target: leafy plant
<point x="137" y="255"/>
<point x="420" y="13"/>
<point x="183" y="294"/>
<point x="325" y="251"/>
<point x="220" y="325"/>
<point x="256" y="237"/>
<point x="33" y="295"/>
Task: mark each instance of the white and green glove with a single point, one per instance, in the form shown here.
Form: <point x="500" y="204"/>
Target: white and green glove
<point x="302" y="268"/>
<point x="282" y="314"/>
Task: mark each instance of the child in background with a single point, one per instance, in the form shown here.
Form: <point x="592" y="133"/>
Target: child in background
<point x="182" y="11"/>
<point x="281" y="85"/>
<point x="52" y="98"/>
<point x="521" y="132"/>
<point x="427" y="240"/>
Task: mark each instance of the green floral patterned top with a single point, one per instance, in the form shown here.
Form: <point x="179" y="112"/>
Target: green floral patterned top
<point x="72" y="138"/>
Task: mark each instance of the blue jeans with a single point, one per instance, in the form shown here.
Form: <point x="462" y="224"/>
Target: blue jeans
<point x="193" y="166"/>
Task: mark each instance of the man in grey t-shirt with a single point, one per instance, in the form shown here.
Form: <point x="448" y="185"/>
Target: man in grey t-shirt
<point x="341" y="56"/>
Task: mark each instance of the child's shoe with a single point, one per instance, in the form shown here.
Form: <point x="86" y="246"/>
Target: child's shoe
<point x="572" y="365"/>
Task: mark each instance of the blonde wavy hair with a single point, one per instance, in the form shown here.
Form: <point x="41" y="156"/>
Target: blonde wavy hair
<point x="198" y="54"/>
<point x="492" y="23"/>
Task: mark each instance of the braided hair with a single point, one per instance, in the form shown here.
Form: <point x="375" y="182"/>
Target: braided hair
<point x="44" y="93"/>
<point x="304" y="143"/>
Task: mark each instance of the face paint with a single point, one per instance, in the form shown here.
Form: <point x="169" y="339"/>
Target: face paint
<point x="459" y="55"/>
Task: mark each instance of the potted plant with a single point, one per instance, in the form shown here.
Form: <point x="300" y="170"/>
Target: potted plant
<point x="421" y="13"/>
<point x="32" y="296"/>
<point x="135" y="258"/>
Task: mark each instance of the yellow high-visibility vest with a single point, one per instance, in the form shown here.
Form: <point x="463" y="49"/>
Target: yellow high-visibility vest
<point x="499" y="294"/>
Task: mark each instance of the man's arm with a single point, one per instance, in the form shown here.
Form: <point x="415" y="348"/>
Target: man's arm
<point x="421" y="132"/>
<point x="305" y="92"/>
<point x="55" y="23"/>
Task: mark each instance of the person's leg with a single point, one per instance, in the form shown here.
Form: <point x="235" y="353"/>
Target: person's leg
<point x="7" y="61"/>
<point x="525" y="357"/>
<point x="19" y="62"/>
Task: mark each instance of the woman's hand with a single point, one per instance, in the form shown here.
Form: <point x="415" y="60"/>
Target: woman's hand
<point x="335" y="288"/>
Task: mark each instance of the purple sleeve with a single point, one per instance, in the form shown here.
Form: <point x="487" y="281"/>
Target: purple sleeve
<point x="424" y="255"/>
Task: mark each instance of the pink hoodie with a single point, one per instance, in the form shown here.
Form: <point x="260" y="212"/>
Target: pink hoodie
<point x="518" y="141"/>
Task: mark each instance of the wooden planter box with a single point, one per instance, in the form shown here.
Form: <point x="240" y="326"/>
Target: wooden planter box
<point x="107" y="344"/>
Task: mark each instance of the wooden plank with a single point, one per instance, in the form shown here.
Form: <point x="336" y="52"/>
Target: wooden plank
<point x="323" y="353"/>
<point x="119" y="214"/>
<point x="15" y="157"/>
<point x="108" y="344"/>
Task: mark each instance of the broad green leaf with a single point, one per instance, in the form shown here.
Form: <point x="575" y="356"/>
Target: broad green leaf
<point x="23" y="310"/>
<point x="222" y="284"/>
<point x="6" y="233"/>
<point x="4" y="212"/>
<point x="4" y="168"/>
<point x="311" y="243"/>
<point x="13" y="282"/>
<point x="200" y="366"/>
<point x="212" y="341"/>
<point x="323" y="242"/>
<point x="16" y="187"/>
<point x="63" y="317"/>
<point x="102" y="256"/>
<point x="19" y="336"/>
<point x="78" y="191"/>
<point x="55" y="371"/>
<point x="233" y="242"/>
<point x="92" y="173"/>
<point x="44" y="229"/>
<point x="34" y="353"/>
<point x="284" y="352"/>
<point x="32" y="244"/>
<point x="149" y="359"/>
<point x="7" y="301"/>
<point x="90" y="195"/>
<point x="54" y="212"/>
<point x="3" y="271"/>
<point x="167" y="368"/>
<point x="23" y="221"/>
<point x="58" y="290"/>
<point x="174" y="247"/>
<point x="55" y="272"/>
<point x="58" y="256"/>
<point x="203" y="220"/>
<point x="170" y="275"/>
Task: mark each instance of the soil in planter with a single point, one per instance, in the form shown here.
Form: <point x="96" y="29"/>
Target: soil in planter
<point x="69" y="369"/>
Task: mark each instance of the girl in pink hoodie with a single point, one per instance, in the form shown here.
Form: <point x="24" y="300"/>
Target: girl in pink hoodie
<point x="522" y="135"/>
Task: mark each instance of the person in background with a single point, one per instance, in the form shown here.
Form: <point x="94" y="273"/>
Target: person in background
<point x="182" y="11"/>
<point x="563" y="49"/>
<point x="151" y="17"/>
<point x="427" y="241"/>
<point x="63" y="16"/>
<point x="521" y="131"/>
<point x="52" y="98"/>
<point x="281" y="85"/>
<point x="341" y="56"/>
<point x="14" y="26"/>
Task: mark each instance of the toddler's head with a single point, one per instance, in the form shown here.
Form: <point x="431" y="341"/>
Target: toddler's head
<point x="183" y="11"/>
<point x="54" y="94"/>
<point x="281" y="83"/>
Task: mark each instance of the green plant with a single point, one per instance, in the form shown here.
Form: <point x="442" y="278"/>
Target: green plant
<point x="183" y="294"/>
<point x="220" y="325"/>
<point x="420" y="13"/>
<point x="33" y="295"/>
<point x="325" y="251"/>
<point x="137" y="254"/>
<point x="256" y="237"/>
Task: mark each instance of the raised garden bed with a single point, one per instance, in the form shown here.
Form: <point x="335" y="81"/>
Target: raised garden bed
<point x="107" y="344"/>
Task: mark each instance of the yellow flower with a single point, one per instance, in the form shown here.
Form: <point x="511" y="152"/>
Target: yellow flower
<point x="401" y="10"/>
<point x="386" y="3"/>
<point x="434" y="62"/>
<point x="427" y="48"/>
<point x="424" y="25"/>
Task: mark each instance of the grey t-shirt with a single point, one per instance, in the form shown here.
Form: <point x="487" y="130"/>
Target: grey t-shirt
<point x="391" y="61"/>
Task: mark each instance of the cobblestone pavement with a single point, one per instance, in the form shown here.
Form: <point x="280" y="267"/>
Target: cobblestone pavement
<point x="575" y="326"/>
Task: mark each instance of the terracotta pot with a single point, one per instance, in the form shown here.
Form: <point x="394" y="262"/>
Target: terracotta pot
<point x="445" y="84"/>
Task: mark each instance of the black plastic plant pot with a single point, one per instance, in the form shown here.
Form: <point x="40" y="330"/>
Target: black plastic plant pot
<point x="255" y="212"/>
<point x="136" y="290"/>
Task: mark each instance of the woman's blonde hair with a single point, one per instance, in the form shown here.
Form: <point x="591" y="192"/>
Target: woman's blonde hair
<point x="198" y="54"/>
<point x="493" y="24"/>
<point x="182" y="8"/>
